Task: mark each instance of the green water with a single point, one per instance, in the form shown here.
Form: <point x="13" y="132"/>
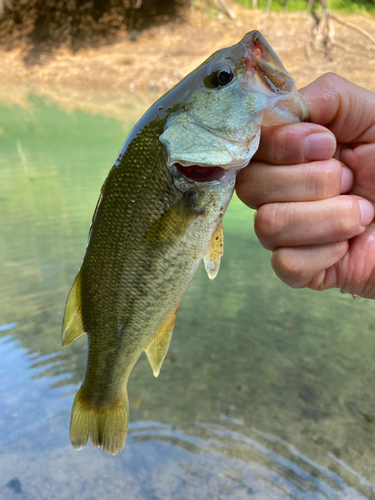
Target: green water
<point x="266" y="393"/>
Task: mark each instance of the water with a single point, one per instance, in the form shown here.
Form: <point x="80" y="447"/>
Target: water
<point x="266" y="392"/>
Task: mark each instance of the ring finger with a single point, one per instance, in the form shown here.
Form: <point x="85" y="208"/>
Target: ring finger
<point x="312" y="223"/>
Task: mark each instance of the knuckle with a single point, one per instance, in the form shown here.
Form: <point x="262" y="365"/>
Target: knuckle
<point x="289" y="144"/>
<point x="319" y="281"/>
<point x="287" y="265"/>
<point x="348" y="219"/>
<point x="344" y="226"/>
<point x="330" y="79"/>
<point x="328" y="179"/>
<point x="267" y="224"/>
<point x="247" y="185"/>
<point x="282" y="144"/>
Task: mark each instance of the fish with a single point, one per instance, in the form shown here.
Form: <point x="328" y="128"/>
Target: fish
<point x="159" y="214"/>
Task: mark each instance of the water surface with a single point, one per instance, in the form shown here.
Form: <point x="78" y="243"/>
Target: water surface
<point x="266" y="392"/>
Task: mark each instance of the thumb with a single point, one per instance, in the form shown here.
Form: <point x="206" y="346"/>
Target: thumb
<point x="343" y="107"/>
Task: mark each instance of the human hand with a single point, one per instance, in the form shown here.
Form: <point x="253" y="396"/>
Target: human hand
<point x="316" y="212"/>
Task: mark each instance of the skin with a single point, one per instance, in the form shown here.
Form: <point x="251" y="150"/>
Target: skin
<point x="313" y="185"/>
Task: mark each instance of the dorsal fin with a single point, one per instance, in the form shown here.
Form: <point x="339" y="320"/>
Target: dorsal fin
<point x="158" y="347"/>
<point x="72" y="323"/>
<point x="214" y="252"/>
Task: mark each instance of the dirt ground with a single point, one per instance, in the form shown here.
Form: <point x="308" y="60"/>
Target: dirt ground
<point x="127" y="71"/>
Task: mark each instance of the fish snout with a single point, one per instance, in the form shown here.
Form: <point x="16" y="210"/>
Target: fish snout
<point x="264" y="69"/>
<point x="262" y="59"/>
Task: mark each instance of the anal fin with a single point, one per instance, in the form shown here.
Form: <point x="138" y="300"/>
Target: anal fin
<point x="72" y="323"/>
<point x="214" y="252"/>
<point x="157" y="349"/>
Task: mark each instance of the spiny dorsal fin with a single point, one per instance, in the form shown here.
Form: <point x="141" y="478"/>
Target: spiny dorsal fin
<point x="72" y="323"/>
<point x="158" y="347"/>
<point x="214" y="252"/>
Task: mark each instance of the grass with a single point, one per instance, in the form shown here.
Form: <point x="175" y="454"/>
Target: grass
<point x="346" y="6"/>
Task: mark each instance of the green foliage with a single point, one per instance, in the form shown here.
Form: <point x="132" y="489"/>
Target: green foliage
<point x="346" y="6"/>
<point x="277" y="5"/>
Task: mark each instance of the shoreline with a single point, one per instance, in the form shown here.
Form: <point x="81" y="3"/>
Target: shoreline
<point x="126" y="76"/>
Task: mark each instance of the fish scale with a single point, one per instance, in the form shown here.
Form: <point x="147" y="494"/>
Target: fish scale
<point x="159" y="214"/>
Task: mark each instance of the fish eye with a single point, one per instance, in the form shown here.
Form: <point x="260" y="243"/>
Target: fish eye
<point x="221" y="76"/>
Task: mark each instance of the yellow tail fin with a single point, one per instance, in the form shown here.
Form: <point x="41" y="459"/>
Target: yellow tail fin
<point x="107" y="426"/>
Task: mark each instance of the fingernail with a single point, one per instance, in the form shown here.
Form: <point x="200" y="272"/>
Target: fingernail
<point x="367" y="212"/>
<point x="319" y="146"/>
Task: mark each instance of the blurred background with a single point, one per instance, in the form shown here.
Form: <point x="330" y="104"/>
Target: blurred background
<point x="149" y="45"/>
<point x="266" y="392"/>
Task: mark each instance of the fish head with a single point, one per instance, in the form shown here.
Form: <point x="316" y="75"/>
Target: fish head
<point x="224" y="102"/>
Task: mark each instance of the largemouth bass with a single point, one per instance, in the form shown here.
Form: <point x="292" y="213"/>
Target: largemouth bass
<point x="159" y="214"/>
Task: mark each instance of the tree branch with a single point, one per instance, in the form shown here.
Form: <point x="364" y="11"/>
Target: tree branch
<point x="227" y="9"/>
<point x="352" y="26"/>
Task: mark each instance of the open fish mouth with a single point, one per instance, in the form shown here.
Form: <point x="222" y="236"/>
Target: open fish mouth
<point x="197" y="173"/>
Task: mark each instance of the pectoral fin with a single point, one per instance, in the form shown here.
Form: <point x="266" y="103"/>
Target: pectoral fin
<point x="72" y="323"/>
<point x="214" y="252"/>
<point x="172" y="224"/>
<point x="158" y="348"/>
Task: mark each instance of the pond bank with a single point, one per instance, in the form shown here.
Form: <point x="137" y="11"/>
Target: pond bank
<point x="162" y="55"/>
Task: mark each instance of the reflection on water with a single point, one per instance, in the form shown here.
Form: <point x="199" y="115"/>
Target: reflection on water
<point x="266" y="393"/>
<point x="240" y="462"/>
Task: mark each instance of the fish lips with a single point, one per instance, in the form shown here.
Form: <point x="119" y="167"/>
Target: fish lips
<point x="262" y="60"/>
